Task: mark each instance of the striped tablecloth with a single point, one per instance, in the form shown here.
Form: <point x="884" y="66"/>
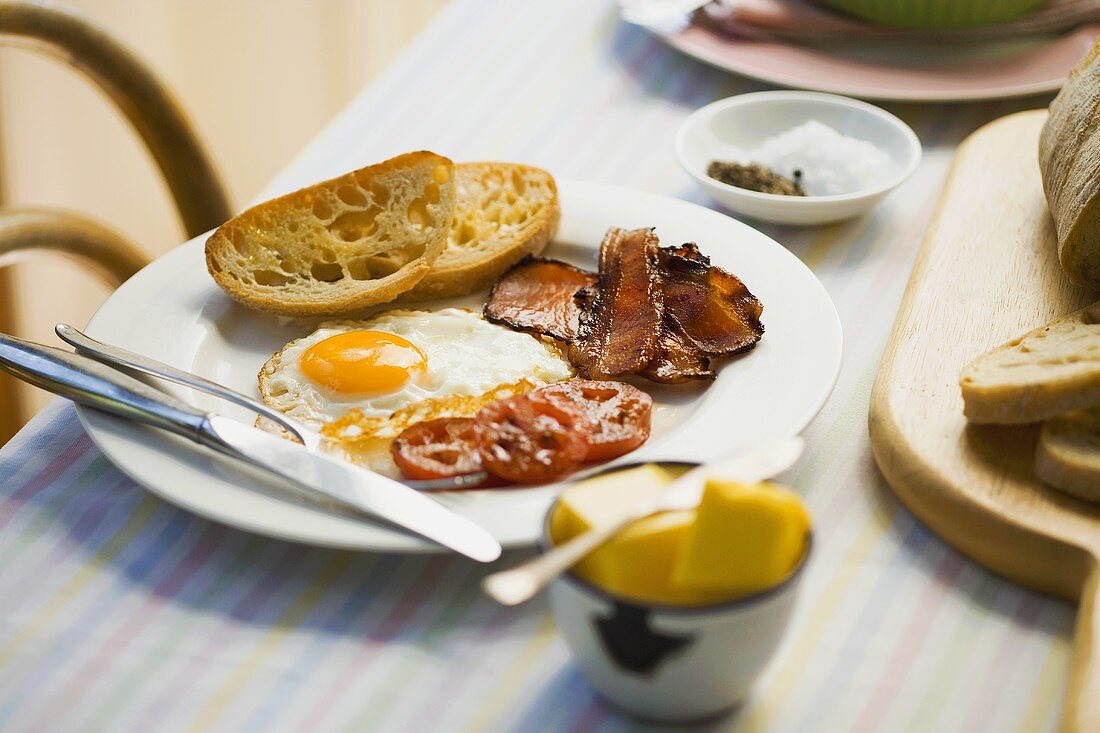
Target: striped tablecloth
<point x="119" y="612"/>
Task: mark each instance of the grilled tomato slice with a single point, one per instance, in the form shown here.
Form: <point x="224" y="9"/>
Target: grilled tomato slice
<point x="439" y="448"/>
<point x="617" y="416"/>
<point x="530" y="441"/>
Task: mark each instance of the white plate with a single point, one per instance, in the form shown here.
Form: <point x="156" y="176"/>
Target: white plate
<point x="174" y="312"/>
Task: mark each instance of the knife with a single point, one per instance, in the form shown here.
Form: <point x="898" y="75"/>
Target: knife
<point x="119" y="358"/>
<point x="86" y="381"/>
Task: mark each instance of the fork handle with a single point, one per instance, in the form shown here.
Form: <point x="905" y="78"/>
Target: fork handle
<point x="109" y="354"/>
<point x="100" y="387"/>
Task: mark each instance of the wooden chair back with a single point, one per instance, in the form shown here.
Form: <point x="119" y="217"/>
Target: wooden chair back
<point x="159" y="121"/>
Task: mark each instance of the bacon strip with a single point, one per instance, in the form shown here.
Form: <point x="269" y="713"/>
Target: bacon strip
<point x="659" y="312"/>
<point x="677" y="360"/>
<point x="621" y="327"/>
<point x="712" y="307"/>
<point x="538" y="296"/>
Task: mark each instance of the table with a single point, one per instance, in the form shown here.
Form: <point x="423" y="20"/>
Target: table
<point x="120" y="612"/>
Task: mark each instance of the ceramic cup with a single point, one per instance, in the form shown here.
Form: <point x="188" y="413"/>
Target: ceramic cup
<point x="672" y="664"/>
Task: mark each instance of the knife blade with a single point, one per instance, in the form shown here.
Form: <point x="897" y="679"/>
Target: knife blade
<point x="95" y="385"/>
<point x="350" y="485"/>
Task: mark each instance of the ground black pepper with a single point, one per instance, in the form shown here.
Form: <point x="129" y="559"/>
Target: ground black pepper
<point x="754" y="177"/>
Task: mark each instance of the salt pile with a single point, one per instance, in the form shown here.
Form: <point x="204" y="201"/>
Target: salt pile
<point x="830" y="163"/>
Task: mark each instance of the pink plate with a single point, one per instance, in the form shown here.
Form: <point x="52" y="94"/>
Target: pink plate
<point x="897" y="72"/>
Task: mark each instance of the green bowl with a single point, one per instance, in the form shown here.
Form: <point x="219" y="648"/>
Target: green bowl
<point x="934" y="14"/>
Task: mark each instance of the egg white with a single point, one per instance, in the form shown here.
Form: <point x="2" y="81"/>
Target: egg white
<point x="466" y="355"/>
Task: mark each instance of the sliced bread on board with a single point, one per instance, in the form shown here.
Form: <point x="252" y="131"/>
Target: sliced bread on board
<point x="1045" y="372"/>
<point x="341" y="245"/>
<point x="1068" y="454"/>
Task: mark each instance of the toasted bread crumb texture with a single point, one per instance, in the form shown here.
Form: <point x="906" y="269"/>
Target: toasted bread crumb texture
<point x="1068" y="454"/>
<point x="343" y="244"/>
<point x="1045" y="372"/>
<point x="503" y="212"/>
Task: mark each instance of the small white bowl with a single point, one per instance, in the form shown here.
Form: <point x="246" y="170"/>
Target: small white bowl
<point x="743" y="122"/>
<point x="672" y="664"/>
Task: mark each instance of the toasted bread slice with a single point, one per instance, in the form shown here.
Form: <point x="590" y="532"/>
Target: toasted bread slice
<point x="503" y="212"/>
<point x="1068" y="455"/>
<point x="1046" y="372"/>
<point x="340" y="245"/>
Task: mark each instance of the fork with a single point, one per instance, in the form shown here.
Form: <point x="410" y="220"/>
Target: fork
<point x="118" y="357"/>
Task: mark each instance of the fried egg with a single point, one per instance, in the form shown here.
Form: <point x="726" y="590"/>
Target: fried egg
<point x="374" y="377"/>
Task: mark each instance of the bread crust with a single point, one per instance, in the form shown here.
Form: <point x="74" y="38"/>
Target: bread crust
<point x="289" y="227"/>
<point x="1069" y="159"/>
<point x="457" y="276"/>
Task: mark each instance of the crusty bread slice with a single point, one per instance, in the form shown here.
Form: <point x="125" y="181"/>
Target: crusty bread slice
<point x="1046" y="372"/>
<point x="340" y="245"/>
<point x="503" y="212"/>
<point x="1068" y="455"/>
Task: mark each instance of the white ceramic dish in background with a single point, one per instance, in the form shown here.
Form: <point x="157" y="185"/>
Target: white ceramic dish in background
<point x="672" y="664"/>
<point x="173" y="311"/>
<point x="742" y="123"/>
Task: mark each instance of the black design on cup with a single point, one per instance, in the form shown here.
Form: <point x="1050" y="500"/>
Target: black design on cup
<point x="634" y="645"/>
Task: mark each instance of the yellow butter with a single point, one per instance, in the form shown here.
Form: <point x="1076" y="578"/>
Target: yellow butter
<point x="600" y="500"/>
<point x="741" y="539"/>
<point x="744" y="539"/>
<point x="639" y="562"/>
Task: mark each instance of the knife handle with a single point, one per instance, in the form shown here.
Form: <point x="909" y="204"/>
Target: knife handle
<point x="87" y="382"/>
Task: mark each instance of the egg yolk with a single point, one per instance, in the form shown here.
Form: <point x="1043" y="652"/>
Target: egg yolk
<point x="363" y="362"/>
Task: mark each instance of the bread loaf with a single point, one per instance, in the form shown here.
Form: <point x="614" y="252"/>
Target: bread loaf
<point x="503" y="212"/>
<point x="1069" y="159"/>
<point x="340" y="245"/>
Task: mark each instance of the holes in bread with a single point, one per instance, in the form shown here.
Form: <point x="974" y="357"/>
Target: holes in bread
<point x="237" y="239"/>
<point x="351" y="195"/>
<point x="321" y="209"/>
<point x="441" y="174"/>
<point x="418" y="213"/>
<point x="384" y="264"/>
<point x="518" y="183"/>
<point x="431" y="192"/>
<point x="359" y="270"/>
<point x="379" y="193"/>
<point x="465" y="233"/>
<point x="328" y="272"/>
<point x="389" y="262"/>
<point x="351" y="226"/>
<point x="270" y="278"/>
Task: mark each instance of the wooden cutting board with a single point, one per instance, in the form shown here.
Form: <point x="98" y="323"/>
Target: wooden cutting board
<point x="988" y="271"/>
